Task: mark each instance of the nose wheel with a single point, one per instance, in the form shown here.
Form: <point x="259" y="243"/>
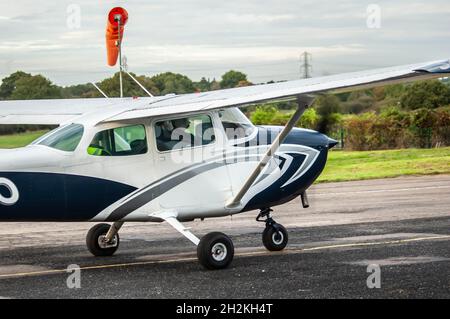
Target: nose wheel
<point x="275" y="236"/>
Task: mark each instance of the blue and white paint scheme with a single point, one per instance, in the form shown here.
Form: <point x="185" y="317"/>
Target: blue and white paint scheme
<point x="46" y="182"/>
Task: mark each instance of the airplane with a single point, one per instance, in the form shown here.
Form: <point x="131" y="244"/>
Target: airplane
<point x="173" y="158"/>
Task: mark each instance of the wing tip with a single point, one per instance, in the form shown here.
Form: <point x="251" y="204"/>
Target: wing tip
<point x="442" y="67"/>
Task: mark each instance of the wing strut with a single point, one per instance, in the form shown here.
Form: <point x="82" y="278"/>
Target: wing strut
<point x="304" y="102"/>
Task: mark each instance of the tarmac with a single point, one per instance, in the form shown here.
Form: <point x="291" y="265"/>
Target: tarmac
<point x="386" y="238"/>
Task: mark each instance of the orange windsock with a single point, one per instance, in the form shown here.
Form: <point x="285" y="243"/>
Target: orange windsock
<point x="115" y="16"/>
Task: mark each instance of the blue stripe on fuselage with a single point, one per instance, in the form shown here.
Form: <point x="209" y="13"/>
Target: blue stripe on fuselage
<point x="275" y="194"/>
<point x="59" y="197"/>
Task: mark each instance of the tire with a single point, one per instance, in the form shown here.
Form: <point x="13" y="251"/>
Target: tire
<point x="275" y="237"/>
<point x="93" y="241"/>
<point x="224" y="251"/>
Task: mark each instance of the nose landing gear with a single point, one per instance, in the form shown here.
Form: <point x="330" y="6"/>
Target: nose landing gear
<point x="103" y="239"/>
<point x="274" y="236"/>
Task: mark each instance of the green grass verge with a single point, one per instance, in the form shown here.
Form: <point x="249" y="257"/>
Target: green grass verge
<point x="341" y="165"/>
<point x="19" y="140"/>
<point x="348" y="166"/>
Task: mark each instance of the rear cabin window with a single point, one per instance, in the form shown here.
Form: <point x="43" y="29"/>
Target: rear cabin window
<point x="64" y="139"/>
<point x="121" y="141"/>
<point x="184" y="132"/>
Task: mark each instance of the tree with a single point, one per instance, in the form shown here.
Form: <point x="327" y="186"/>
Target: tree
<point x="80" y="91"/>
<point x="429" y="94"/>
<point x="244" y="83"/>
<point x="358" y="102"/>
<point x="215" y="85"/>
<point x="232" y="78"/>
<point x="327" y="106"/>
<point x="394" y="90"/>
<point x="35" y="87"/>
<point x="9" y="83"/>
<point x="204" y="85"/>
<point x="170" y="82"/>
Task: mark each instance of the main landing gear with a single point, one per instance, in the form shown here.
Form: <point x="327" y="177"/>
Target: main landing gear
<point x="274" y="236"/>
<point x="214" y="250"/>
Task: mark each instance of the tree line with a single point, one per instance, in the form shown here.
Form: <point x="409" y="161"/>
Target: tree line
<point x="24" y="86"/>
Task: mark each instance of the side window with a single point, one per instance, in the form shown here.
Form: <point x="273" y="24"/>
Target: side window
<point x="121" y="141"/>
<point x="184" y="132"/>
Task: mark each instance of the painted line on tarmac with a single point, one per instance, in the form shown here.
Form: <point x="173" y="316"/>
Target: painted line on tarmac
<point x="383" y="190"/>
<point x="249" y="254"/>
<point x="367" y="244"/>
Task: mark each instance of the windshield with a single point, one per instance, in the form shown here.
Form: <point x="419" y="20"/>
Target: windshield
<point x="65" y="138"/>
<point x="236" y="124"/>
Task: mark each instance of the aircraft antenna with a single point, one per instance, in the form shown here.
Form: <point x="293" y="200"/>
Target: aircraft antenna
<point x="100" y="90"/>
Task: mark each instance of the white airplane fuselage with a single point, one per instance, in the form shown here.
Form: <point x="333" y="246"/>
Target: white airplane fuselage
<point x="41" y="183"/>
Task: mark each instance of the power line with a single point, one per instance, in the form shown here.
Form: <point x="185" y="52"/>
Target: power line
<point x="305" y="65"/>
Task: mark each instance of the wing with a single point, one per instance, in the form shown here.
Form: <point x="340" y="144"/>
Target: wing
<point x="290" y="90"/>
<point x="57" y="111"/>
<point x="61" y="111"/>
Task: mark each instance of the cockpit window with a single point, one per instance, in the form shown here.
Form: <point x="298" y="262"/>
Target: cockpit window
<point x="121" y="141"/>
<point x="236" y="125"/>
<point x="65" y="138"/>
<point x="186" y="132"/>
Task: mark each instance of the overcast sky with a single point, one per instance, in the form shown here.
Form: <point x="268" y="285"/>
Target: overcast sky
<point x="263" y="38"/>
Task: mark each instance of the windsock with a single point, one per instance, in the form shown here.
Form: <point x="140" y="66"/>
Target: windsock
<point x="112" y="33"/>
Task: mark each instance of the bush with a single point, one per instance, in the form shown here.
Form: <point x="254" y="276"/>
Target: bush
<point x="270" y="115"/>
<point x="394" y="128"/>
<point x="428" y="94"/>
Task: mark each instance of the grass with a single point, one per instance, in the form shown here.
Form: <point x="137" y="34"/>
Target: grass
<point x="348" y="166"/>
<point x="19" y="140"/>
<point x="341" y="165"/>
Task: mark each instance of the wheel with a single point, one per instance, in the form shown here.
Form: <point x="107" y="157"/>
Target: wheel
<point x="95" y="241"/>
<point x="215" y="251"/>
<point x="275" y="237"/>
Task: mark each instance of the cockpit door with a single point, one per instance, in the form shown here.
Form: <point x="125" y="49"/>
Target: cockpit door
<point x="189" y="163"/>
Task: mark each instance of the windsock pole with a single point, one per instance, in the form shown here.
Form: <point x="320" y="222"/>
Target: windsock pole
<point x="119" y="44"/>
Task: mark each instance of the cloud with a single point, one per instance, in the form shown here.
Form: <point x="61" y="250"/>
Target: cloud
<point x="200" y="38"/>
<point x="258" y="18"/>
<point x="38" y="45"/>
